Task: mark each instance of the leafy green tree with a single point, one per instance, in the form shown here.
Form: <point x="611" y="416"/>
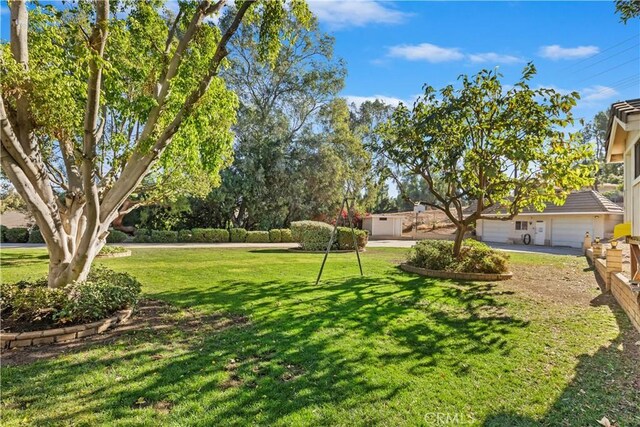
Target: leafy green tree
<point x="499" y="147"/>
<point x="280" y="164"/>
<point x="595" y="133"/>
<point x="100" y="99"/>
<point x="628" y="9"/>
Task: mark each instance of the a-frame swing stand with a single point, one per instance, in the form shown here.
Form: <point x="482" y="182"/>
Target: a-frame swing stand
<point x="345" y="202"/>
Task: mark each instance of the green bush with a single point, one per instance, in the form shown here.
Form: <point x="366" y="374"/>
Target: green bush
<point x="103" y="293"/>
<point x="210" y="235"/>
<point x="3" y="233"/>
<point x="275" y="236"/>
<point x="475" y="257"/>
<point x="116" y="236"/>
<point x="238" y="235"/>
<point x="142" y="235"/>
<point x="285" y="235"/>
<point x="164" y="236"/>
<point x="35" y="236"/>
<point x="312" y="235"/>
<point x="31" y="301"/>
<point x="257" y="237"/>
<point x="345" y="238"/>
<point x="17" y="235"/>
<point x="185" y="236"/>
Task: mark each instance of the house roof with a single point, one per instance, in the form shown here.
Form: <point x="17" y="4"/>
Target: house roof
<point x="621" y="110"/>
<point x="578" y="202"/>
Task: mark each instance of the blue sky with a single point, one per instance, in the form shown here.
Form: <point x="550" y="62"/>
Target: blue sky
<point x="393" y="48"/>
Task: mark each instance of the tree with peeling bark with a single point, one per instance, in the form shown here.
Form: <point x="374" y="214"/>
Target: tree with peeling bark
<point x="102" y="98"/>
<point x="484" y="148"/>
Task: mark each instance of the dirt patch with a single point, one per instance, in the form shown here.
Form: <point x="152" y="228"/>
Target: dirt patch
<point x="571" y="284"/>
<point x="150" y="315"/>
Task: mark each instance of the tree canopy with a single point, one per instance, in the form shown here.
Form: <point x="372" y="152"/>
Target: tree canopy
<point x="103" y="100"/>
<point x="497" y="147"/>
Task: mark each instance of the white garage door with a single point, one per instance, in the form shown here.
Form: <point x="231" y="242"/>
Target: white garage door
<point x="570" y="231"/>
<point x="496" y="231"/>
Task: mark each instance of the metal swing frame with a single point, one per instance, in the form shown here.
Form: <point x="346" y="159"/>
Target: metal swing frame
<point x="345" y="202"/>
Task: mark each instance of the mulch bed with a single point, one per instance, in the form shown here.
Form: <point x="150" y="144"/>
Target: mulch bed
<point x="151" y="315"/>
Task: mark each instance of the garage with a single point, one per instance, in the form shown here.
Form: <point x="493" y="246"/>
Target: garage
<point x="570" y="231"/>
<point x="496" y="231"/>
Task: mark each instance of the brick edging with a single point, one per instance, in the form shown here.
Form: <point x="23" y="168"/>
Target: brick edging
<point x="336" y="251"/>
<point x="48" y="336"/>
<point x="115" y="255"/>
<point x="441" y="274"/>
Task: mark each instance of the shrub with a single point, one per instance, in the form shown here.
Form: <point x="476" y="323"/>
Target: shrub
<point x="116" y="236"/>
<point x="238" y="235"/>
<point x="257" y="237"/>
<point x="285" y="235"/>
<point x="210" y="235"/>
<point x="142" y="235"/>
<point x="103" y="293"/>
<point x="432" y="255"/>
<point x="275" y="236"/>
<point x="35" y="236"/>
<point x="185" y="236"/>
<point x="17" y="235"/>
<point x="312" y="235"/>
<point x="164" y="236"/>
<point x="31" y="301"/>
<point x="475" y="257"/>
<point x="3" y="233"/>
<point x="345" y="238"/>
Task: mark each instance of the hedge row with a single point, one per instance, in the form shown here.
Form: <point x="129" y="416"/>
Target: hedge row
<point x="211" y="235"/>
<point x="315" y="236"/>
<point x="196" y="235"/>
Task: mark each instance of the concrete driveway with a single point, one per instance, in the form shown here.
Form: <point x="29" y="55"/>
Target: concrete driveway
<point x="554" y="250"/>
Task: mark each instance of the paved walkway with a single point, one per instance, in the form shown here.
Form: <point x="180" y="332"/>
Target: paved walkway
<point x="554" y="250"/>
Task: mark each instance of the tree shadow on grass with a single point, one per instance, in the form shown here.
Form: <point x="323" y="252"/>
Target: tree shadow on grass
<point x="606" y="384"/>
<point x="22" y="258"/>
<point x="304" y="347"/>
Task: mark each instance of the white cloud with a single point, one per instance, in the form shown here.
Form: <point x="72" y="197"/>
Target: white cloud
<point x="556" y="52"/>
<point x="339" y="14"/>
<point x="359" y="100"/>
<point x="426" y="52"/>
<point x="494" y="57"/>
<point x="597" y="93"/>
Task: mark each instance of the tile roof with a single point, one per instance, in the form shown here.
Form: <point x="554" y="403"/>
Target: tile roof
<point x="582" y="201"/>
<point x="578" y="202"/>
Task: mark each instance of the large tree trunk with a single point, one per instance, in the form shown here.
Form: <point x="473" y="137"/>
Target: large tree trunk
<point x="461" y="229"/>
<point x="75" y="228"/>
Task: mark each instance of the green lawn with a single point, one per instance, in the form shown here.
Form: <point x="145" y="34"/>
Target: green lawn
<point x="387" y="349"/>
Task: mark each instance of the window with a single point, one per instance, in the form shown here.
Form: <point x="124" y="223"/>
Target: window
<point x="636" y="160"/>
<point x="521" y="225"/>
<point x="382" y="219"/>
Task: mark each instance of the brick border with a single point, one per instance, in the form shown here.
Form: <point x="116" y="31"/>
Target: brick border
<point x="48" y="336"/>
<point x="115" y="255"/>
<point x="608" y="266"/>
<point x="336" y="251"/>
<point x="441" y="274"/>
